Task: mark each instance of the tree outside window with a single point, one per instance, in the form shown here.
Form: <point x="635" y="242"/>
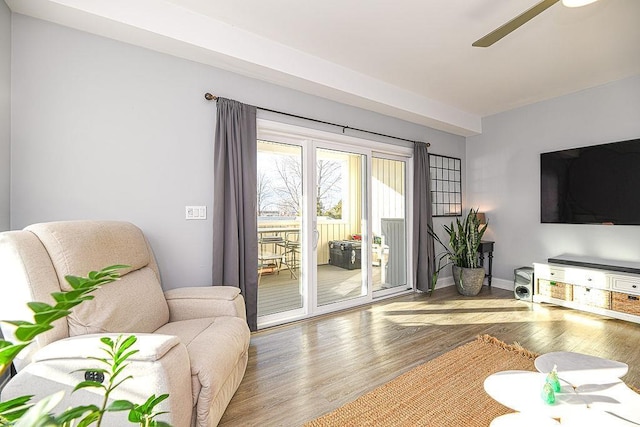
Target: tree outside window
<point x="279" y="184"/>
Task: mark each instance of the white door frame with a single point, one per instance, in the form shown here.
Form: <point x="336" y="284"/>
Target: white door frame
<point x="310" y="139"/>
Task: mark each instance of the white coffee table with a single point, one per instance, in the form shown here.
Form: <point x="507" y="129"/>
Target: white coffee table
<point x="594" y="417"/>
<point x="520" y="391"/>
<point x="578" y="369"/>
<point x="591" y="389"/>
<point x="520" y="419"/>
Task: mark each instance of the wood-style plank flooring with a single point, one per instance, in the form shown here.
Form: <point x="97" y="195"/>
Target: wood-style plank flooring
<point x="300" y="371"/>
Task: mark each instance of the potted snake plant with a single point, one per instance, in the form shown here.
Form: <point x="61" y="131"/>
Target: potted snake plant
<point x="462" y="254"/>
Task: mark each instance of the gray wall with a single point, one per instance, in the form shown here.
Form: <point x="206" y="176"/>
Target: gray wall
<point x="5" y="113"/>
<point x="503" y="170"/>
<point x="106" y="130"/>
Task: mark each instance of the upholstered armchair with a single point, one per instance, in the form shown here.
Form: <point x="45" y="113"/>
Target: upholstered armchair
<point x="192" y="342"/>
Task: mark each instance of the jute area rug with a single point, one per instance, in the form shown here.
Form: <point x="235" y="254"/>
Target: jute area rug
<point x="446" y="391"/>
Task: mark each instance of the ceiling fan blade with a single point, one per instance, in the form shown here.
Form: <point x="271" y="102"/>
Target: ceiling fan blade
<point x="512" y="25"/>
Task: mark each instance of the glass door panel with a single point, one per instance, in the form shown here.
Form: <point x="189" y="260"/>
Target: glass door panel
<point x="279" y="204"/>
<point x="340" y="193"/>
<point x="388" y="214"/>
<point x="332" y="224"/>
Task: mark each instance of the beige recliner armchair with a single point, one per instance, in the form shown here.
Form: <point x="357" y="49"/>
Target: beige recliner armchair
<point x="193" y="342"/>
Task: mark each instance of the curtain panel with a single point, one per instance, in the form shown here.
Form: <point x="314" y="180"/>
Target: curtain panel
<point x="235" y="229"/>
<point x="423" y="244"/>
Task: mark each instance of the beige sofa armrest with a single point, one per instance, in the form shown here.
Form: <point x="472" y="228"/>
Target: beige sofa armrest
<point x="200" y="302"/>
<point x="161" y="366"/>
<point x="151" y="347"/>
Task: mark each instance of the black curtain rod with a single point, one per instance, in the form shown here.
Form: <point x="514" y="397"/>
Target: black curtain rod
<point x="210" y="97"/>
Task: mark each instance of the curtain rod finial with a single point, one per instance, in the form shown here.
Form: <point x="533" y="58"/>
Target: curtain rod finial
<point x="210" y="97"/>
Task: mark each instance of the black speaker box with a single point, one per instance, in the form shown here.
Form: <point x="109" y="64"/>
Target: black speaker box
<point x="523" y="283"/>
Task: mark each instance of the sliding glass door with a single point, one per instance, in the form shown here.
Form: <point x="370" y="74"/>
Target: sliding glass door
<point x="331" y="226"/>
<point x="389" y="224"/>
<point x="338" y="225"/>
<point x="280" y="213"/>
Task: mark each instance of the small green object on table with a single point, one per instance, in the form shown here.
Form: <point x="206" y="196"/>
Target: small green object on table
<point x="548" y="395"/>
<point x="552" y="379"/>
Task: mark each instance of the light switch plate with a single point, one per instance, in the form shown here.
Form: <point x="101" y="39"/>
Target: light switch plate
<point x="195" y="212"/>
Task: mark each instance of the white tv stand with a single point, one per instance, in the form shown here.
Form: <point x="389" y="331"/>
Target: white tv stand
<point x="606" y="287"/>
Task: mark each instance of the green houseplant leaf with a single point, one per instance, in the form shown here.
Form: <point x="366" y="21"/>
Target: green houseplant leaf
<point x="8" y="352"/>
<point x="38" y="415"/>
<point x="26" y="331"/>
<point x="13" y="409"/>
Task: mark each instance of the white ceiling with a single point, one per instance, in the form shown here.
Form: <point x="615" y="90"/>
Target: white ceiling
<point x="410" y="59"/>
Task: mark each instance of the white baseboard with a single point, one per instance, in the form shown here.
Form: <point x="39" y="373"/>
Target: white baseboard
<point x="444" y="282"/>
<point x="502" y="284"/>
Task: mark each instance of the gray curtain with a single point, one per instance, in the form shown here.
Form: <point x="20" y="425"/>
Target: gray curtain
<point x="235" y="229"/>
<point x="423" y="245"/>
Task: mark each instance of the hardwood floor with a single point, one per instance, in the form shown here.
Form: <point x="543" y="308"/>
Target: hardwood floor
<point x="300" y="371"/>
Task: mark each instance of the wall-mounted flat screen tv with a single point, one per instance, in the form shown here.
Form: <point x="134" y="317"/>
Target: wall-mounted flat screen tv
<point x="591" y="185"/>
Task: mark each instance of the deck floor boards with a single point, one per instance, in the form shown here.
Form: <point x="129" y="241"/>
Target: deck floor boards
<point x="280" y="291"/>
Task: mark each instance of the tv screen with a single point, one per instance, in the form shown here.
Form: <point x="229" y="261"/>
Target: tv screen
<point x="591" y="185"/>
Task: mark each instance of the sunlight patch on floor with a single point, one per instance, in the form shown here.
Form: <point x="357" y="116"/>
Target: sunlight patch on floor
<point x="473" y="311"/>
<point x="471" y="304"/>
<point x="578" y="318"/>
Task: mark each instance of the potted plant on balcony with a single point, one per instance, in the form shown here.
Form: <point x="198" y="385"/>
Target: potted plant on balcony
<point x="462" y="253"/>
